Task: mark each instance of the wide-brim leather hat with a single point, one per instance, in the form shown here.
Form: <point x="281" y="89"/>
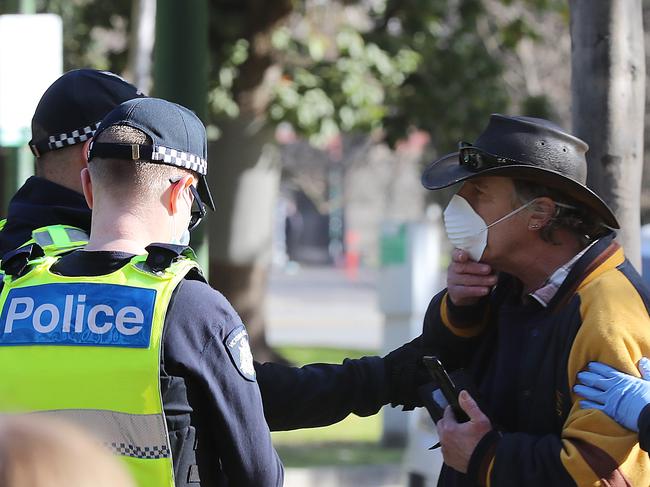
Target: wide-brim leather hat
<point x="525" y="148"/>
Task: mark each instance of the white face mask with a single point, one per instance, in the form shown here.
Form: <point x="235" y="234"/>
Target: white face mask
<point x="466" y="229"/>
<point x="184" y="239"/>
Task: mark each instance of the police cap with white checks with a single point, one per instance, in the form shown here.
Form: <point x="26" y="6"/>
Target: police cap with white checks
<point x="177" y="134"/>
<point x="70" y="110"/>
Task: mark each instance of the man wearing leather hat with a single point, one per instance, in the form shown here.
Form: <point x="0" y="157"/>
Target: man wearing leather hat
<point x="537" y="288"/>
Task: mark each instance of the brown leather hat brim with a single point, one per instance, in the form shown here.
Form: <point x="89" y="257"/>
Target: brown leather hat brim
<point x="446" y="171"/>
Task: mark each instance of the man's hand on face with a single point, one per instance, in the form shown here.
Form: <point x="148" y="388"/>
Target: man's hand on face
<point x="458" y="440"/>
<point x="468" y="281"/>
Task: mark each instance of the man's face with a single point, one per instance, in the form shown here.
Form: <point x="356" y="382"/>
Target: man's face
<point x="493" y="198"/>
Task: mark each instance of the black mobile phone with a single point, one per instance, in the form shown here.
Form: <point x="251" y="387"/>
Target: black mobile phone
<point x="446" y="385"/>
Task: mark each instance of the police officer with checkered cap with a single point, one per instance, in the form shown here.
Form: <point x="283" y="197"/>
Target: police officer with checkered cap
<point x="145" y="183"/>
<point x="65" y="119"/>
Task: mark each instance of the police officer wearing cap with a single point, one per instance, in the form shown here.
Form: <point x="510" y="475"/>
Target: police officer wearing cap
<point x="51" y="211"/>
<point x="125" y="336"/>
<point x="49" y="207"/>
<point x="537" y="289"/>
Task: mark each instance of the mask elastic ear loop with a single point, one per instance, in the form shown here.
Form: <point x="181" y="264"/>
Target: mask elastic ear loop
<point x="513" y="212"/>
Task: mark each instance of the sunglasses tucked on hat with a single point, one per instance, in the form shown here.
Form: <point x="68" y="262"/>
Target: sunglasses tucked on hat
<point x="525" y="148"/>
<point x="178" y="138"/>
<point x="70" y="110"/>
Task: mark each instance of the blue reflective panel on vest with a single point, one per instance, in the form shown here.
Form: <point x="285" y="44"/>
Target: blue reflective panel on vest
<point x="103" y="315"/>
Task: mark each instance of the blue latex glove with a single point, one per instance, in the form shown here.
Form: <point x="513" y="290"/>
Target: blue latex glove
<point x="619" y="395"/>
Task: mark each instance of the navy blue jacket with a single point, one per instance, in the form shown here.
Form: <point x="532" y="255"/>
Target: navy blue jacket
<point x="644" y="428"/>
<point x="39" y="203"/>
<point x="523" y="359"/>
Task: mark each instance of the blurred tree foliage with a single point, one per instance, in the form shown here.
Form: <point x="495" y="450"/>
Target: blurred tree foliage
<point x="394" y="65"/>
<point x="418" y="64"/>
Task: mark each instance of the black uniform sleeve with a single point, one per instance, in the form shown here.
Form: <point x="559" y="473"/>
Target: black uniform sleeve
<point x="644" y="428"/>
<point x="201" y="345"/>
<point x="248" y="457"/>
<point x="454" y="345"/>
<point x="321" y="394"/>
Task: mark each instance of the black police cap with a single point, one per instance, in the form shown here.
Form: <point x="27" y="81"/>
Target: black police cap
<point x="177" y="134"/>
<point x="70" y="110"/>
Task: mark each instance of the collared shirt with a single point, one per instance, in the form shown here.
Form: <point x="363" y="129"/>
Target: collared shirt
<point x="547" y="291"/>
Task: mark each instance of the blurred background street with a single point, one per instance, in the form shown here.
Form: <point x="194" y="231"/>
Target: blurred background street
<point x="324" y="307"/>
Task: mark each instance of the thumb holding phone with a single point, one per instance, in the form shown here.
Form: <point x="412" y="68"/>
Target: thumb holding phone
<point x="458" y="440"/>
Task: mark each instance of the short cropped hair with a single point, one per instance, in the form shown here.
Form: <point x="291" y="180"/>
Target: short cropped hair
<point x="134" y="178"/>
<point x="60" y="163"/>
<point x="575" y="218"/>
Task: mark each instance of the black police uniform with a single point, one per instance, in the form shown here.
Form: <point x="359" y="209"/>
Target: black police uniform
<point x="217" y="436"/>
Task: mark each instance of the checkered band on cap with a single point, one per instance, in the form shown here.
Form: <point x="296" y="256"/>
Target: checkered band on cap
<point x="181" y="159"/>
<point x="75" y="137"/>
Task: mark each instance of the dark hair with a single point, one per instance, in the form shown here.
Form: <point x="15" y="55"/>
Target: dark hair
<point x="141" y="177"/>
<point x="572" y="217"/>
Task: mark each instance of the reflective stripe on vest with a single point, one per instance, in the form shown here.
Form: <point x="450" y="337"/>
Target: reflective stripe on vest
<point x="89" y="348"/>
<point x="3" y="223"/>
<point x="57" y="239"/>
<point x="130" y="435"/>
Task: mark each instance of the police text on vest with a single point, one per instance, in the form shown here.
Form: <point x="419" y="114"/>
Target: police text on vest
<point x="78" y="313"/>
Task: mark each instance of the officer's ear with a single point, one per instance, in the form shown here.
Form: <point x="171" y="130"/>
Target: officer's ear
<point x="85" y="151"/>
<point x="178" y="191"/>
<point x="87" y="186"/>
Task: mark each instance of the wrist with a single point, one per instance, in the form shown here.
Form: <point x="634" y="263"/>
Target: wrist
<point x="482" y="459"/>
<point x="464" y="321"/>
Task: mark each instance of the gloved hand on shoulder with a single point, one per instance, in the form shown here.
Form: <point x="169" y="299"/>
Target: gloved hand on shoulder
<point x="619" y="395"/>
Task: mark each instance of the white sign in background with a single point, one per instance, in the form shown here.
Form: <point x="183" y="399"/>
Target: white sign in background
<point x="31" y="58"/>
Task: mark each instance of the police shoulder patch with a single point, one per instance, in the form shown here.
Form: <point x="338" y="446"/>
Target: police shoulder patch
<point x="240" y="352"/>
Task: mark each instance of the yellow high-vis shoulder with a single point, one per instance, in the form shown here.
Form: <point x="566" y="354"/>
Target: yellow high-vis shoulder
<point x="58" y="239"/>
<point x="88" y="349"/>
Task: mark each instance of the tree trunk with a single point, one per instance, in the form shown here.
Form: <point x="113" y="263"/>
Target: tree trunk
<point x="245" y="174"/>
<point x="244" y="178"/>
<point x="608" y="91"/>
<point x="141" y="43"/>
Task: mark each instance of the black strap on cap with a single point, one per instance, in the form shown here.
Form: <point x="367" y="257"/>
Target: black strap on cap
<point x="38" y="148"/>
<point x="134" y="152"/>
<point x="14" y="263"/>
<point x="161" y="255"/>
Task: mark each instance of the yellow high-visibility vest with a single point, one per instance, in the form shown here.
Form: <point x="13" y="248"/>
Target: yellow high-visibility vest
<point x="88" y="349"/>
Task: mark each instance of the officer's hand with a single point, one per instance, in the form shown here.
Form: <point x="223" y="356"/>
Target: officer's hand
<point x="468" y="281"/>
<point x="458" y="440"/>
<point x="621" y="396"/>
<point x="405" y="372"/>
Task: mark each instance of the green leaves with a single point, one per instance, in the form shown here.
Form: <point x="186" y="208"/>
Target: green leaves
<point x="385" y="65"/>
<point x="345" y="87"/>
